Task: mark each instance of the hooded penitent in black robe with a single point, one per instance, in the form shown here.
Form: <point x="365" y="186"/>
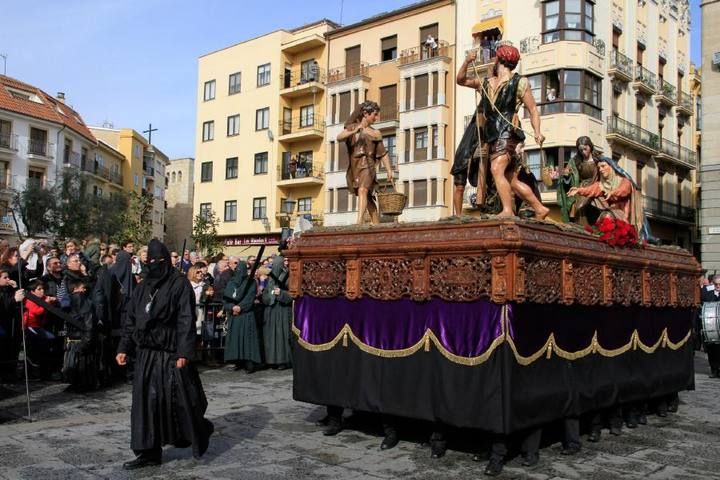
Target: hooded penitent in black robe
<point x="80" y="365"/>
<point x="243" y="340"/>
<point x="168" y="403"/>
<point x="278" y="316"/>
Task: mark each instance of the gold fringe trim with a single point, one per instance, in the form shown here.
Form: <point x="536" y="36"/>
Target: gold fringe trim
<point x="547" y="350"/>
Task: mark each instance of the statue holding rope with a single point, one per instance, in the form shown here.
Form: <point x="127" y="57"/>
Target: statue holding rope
<point x="497" y="124"/>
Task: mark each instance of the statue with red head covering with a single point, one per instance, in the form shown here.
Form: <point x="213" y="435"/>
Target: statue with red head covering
<point x="498" y="126"/>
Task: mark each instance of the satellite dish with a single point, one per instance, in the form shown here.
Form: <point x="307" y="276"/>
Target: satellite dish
<point x="270" y="135"/>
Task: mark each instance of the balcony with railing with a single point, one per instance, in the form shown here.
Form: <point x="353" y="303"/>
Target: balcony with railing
<point x="299" y="82"/>
<point x="347" y="72"/>
<point x="8" y="141"/>
<point x="656" y="208"/>
<point x="685" y="103"/>
<point x="304" y="127"/>
<point x="423" y="52"/>
<point x="621" y="66"/>
<point x="40" y="149"/>
<point x="645" y="81"/>
<point x="71" y="158"/>
<point x="666" y="93"/>
<point x="673" y="152"/>
<point x="389" y="116"/>
<point x="300" y="173"/>
<point x="634" y="136"/>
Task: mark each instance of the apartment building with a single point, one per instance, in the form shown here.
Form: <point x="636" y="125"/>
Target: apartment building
<point x="616" y="71"/>
<point x="710" y="117"/>
<point x="39" y="135"/>
<point x="405" y="61"/>
<point x="259" y="145"/>
<point x="179" y="178"/>
<point x="142" y="170"/>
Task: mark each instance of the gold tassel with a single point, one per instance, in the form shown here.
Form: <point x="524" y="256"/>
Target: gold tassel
<point x="345" y="339"/>
<point x="427" y="342"/>
<point x="548" y="354"/>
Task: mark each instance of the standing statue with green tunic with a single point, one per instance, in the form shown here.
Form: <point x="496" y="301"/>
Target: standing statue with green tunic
<point x="278" y="316"/>
<point x="580" y="171"/>
<point x="242" y="346"/>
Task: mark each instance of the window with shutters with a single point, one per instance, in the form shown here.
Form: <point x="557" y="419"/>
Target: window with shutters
<point x="408" y="92"/>
<point x="388" y="103"/>
<point x="344" y="112"/>
<point x="408" y="146"/>
<point x="331" y="200"/>
<point x="333" y="100"/>
<point x="435" y="141"/>
<point x="332" y="156"/>
<point x="433" y="192"/>
<point x="343" y="157"/>
<point x="388" y="48"/>
<point x="262" y="118"/>
<point x="429" y="31"/>
<point x="342" y="200"/>
<point x="421" y="91"/>
<point x="419" y="193"/>
<point x="261" y="163"/>
<point x="352" y="61"/>
<point x="304" y="204"/>
<point x="307" y="116"/>
<point x="436" y="87"/>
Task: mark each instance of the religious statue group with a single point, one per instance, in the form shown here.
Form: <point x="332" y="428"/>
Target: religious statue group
<point x="490" y="157"/>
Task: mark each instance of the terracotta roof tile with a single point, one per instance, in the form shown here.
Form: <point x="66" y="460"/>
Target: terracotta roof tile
<point x="47" y="110"/>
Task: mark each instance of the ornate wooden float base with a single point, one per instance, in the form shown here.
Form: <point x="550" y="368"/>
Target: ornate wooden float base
<point x="497" y="325"/>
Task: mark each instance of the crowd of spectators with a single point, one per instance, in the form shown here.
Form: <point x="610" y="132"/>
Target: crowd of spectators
<point x="67" y="303"/>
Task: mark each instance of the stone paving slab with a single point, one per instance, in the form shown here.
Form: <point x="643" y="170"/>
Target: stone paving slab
<point x="262" y="434"/>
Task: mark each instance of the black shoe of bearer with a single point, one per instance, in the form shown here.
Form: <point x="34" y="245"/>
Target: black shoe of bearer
<point x="494" y="467"/>
<point x="143" y="460"/>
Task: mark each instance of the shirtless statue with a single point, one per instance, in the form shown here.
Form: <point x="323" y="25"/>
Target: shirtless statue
<point x="502" y="95"/>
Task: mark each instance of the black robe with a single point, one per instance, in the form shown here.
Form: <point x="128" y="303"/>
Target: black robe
<point x="168" y="404"/>
<point x="80" y="365"/>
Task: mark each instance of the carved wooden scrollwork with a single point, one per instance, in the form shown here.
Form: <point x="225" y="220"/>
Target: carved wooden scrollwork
<point x="660" y="289"/>
<point x="387" y="279"/>
<point x="589" y="284"/>
<point x="460" y="279"/>
<point x="687" y="287"/>
<point x="627" y="287"/>
<point x="500" y="274"/>
<point x="520" y="292"/>
<point x="543" y="279"/>
<point x="323" y="278"/>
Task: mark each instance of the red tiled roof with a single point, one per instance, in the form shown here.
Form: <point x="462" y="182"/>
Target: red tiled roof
<point x="48" y="110"/>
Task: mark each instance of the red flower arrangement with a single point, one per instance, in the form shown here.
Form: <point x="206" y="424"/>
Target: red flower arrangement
<point x="615" y="232"/>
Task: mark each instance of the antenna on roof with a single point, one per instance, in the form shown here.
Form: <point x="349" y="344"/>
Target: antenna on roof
<point x="108" y="124"/>
<point x="4" y="57"/>
<point x="342" y="4"/>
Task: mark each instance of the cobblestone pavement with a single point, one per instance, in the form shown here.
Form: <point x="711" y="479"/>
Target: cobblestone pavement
<point x="262" y="434"/>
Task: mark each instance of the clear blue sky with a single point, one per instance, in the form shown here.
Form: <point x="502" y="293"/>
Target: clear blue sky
<point x="132" y="62"/>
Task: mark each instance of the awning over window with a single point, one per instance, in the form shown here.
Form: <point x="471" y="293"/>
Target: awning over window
<point x="489" y="24"/>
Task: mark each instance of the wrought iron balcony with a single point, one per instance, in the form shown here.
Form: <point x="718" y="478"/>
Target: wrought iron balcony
<point x="40" y="148"/>
<point x="666" y="93"/>
<point x="388" y="113"/>
<point x="300" y="82"/>
<point x="346" y="72"/>
<point x="423" y="52"/>
<point x="72" y="158"/>
<point x="677" y="153"/>
<point x="632" y="135"/>
<point x="621" y="66"/>
<point x="300" y="173"/>
<point x="670" y="211"/>
<point x="685" y="103"/>
<point x="645" y="80"/>
<point x="302" y="128"/>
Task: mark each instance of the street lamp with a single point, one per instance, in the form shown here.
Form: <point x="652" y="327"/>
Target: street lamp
<point x="289" y="206"/>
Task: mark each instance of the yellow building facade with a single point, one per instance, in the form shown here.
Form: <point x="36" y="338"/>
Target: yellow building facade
<point x="259" y="146"/>
<point x="405" y="61"/>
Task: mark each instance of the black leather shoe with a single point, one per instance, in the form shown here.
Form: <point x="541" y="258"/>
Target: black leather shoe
<point x="323" y="421"/>
<point x="142" y="461"/>
<point x="530" y="459"/>
<point x="571" y="450"/>
<point x="250" y="367"/>
<point x="494" y="467"/>
<point x="617" y="431"/>
<point x="632" y="421"/>
<point x="333" y="428"/>
<point x="390" y="440"/>
<point x="438" y="448"/>
<point x="594" y="436"/>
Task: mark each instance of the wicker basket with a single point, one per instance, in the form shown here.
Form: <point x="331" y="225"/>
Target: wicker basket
<point x="391" y="203"/>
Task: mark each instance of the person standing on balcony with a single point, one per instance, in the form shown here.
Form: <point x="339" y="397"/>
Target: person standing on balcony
<point x="366" y="150"/>
<point x="431" y="46"/>
<point x="502" y="95"/>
